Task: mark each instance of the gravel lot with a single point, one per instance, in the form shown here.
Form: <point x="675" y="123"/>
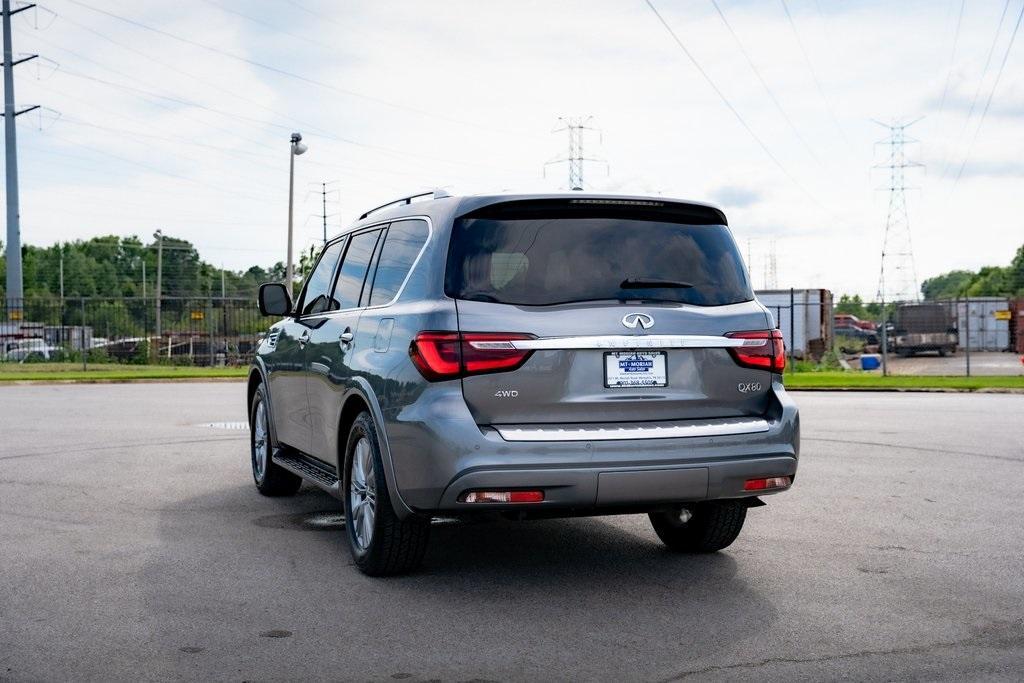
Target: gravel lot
<point x="133" y="546"/>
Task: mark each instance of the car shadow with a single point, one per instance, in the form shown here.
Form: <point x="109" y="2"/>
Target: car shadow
<point x="231" y="566"/>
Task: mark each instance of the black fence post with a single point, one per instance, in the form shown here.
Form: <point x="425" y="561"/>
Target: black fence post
<point x="967" y="325"/>
<point x="81" y="339"/>
<point x="792" y="326"/>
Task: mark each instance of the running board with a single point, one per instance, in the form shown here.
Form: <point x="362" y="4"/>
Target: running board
<point x="308" y="468"/>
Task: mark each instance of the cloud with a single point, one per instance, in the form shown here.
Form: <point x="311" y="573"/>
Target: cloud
<point x="464" y="94"/>
<point x="735" y="197"/>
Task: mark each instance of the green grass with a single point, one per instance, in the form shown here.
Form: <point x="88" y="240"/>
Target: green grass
<point x="864" y="380"/>
<point x="110" y="372"/>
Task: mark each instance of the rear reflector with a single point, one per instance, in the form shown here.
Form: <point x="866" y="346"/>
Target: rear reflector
<point x="448" y="355"/>
<point x="771" y="355"/>
<point x="765" y="484"/>
<point x="502" y="497"/>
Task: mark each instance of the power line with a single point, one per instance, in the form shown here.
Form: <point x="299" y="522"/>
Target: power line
<point x="271" y="68"/>
<point x="988" y="102"/>
<point x="810" y="67"/>
<point x="977" y="91"/>
<point x="276" y="28"/>
<point x="764" y="84"/>
<point x="952" y="56"/>
<point x="728" y="104"/>
<point x="317" y="131"/>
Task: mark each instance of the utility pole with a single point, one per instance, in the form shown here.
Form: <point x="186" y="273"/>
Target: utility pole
<point x="574" y="158"/>
<point x="897" y="279"/>
<point x="15" y="286"/>
<point x="323" y="195"/>
<point x="159" y="235"/>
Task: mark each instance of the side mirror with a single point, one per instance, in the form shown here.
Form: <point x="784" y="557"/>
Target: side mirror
<point x="274" y="299"/>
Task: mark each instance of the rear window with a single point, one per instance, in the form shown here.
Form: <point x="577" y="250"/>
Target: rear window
<point x="538" y="262"/>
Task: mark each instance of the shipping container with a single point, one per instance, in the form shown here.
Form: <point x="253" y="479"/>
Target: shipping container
<point x="1017" y="325"/>
<point x="983" y="322"/>
<point x="807" y="329"/>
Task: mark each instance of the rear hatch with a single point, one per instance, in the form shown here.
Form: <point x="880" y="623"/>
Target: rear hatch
<point x="606" y="311"/>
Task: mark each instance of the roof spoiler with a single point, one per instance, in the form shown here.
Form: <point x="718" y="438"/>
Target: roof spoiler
<point x="599" y="207"/>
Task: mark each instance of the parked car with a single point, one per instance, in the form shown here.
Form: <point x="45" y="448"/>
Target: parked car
<point x="532" y="355"/>
<point x="853" y="339"/>
<point x="31" y="353"/>
<point x="849" y="320"/>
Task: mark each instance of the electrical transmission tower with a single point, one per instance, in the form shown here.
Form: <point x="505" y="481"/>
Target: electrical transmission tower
<point x="897" y="279"/>
<point x="771" y="278"/>
<point x="574" y="158"/>
<point x="15" y="291"/>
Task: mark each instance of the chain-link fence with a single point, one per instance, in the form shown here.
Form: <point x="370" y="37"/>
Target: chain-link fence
<point x="176" y="330"/>
<point x="968" y="336"/>
<point x="953" y="337"/>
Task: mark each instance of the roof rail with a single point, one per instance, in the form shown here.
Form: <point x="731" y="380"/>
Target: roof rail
<point x="433" y="194"/>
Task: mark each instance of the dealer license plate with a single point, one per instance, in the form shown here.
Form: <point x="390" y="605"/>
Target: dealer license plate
<point x="635" y="369"/>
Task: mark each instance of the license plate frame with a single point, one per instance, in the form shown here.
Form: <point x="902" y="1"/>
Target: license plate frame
<point x="656" y="357"/>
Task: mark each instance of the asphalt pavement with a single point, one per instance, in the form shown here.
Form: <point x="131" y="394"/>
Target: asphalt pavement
<point x="133" y="546"/>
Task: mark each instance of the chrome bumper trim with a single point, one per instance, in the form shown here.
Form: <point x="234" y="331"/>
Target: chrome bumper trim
<point x="632" y="430"/>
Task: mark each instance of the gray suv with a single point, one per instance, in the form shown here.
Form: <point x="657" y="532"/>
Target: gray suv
<point x="528" y="355"/>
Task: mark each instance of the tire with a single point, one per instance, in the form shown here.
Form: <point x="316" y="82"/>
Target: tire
<point x="713" y="526"/>
<point x="271" y="479"/>
<point x="942" y="353"/>
<point x="381" y="543"/>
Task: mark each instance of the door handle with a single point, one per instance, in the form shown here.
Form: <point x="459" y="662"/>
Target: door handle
<point x="346" y="337"/>
<point x="303" y="339"/>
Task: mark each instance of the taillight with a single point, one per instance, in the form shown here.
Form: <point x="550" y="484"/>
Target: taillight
<point x="447" y="355"/>
<point x="769" y="355"/>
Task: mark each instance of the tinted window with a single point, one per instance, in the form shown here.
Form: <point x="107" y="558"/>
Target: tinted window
<point x="318" y="284"/>
<point x="401" y="247"/>
<point x="353" y="269"/>
<point x="539" y="262"/>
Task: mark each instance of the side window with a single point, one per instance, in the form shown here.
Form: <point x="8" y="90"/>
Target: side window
<point x="401" y="247"/>
<point x="318" y="285"/>
<point x="353" y="268"/>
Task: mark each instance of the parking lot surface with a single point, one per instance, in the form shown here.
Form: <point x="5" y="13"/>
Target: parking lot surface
<point x="133" y="546"/>
<point x="982" y="363"/>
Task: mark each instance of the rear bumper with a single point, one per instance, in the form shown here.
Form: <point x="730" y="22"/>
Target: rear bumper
<point x="440" y="455"/>
<point x="625" y="485"/>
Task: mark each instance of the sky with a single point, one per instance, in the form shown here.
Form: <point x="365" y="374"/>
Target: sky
<point x="178" y="115"/>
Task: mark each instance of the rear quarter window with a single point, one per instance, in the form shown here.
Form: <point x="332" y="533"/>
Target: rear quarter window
<point x="402" y="246"/>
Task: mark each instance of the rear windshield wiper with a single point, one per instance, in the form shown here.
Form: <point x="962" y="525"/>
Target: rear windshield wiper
<point x="650" y="283"/>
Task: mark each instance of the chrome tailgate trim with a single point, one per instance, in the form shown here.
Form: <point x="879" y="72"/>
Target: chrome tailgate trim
<point x="622" y="341"/>
<point x="673" y="429"/>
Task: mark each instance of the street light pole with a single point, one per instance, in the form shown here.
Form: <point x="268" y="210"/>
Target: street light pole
<point x="296" y="148"/>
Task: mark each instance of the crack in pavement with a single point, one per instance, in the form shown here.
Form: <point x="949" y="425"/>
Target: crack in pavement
<point x="924" y="449"/>
<point x="92" y="449"/>
<point x="994" y="635"/>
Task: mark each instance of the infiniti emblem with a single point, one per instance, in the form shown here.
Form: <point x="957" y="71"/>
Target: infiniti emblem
<point x="631" y="320"/>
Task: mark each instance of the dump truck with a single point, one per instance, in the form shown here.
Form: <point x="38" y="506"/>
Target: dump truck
<point x="916" y="328"/>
